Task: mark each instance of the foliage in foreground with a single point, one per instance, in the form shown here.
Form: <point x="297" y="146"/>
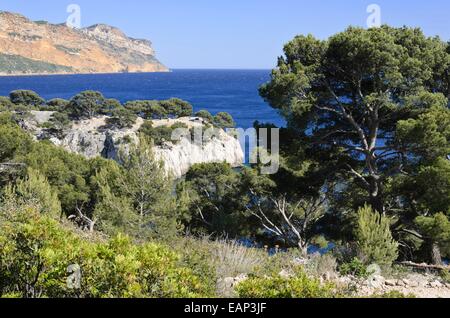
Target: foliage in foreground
<point x="394" y="294"/>
<point x="298" y="286"/>
<point x="36" y="252"/>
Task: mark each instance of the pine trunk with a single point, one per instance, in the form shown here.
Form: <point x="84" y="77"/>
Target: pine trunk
<point x="436" y="256"/>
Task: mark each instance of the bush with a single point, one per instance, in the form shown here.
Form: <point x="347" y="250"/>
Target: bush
<point x="355" y="268"/>
<point x="35" y="189"/>
<point x="147" y="109"/>
<point x="110" y="106"/>
<point x="197" y="254"/>
<point x="7" y="118"/>
<point x="13" y="141"/>
<point x="26" y="97"/>
<point x="36" y="251"/>
<point x="205" y="115"/>
<point x="374" y="237"/>
<point x="436" y="230"/>
<point x="5" y="104"/>
<point x="180" y="108"/>
<point x="393" y="294"/>
<point x="278" y="262"/>
<point x="86" y="105"/>
<point x="67" y="173"/>
<point x="121" y="118"/>
<point x="299" y="286"/>
<point x="160" y="134"/>
<point x="57" y="104"/>
<point x="224" y="120"/>
<point x="58" y="123"/>
<point x="445" y="276"/>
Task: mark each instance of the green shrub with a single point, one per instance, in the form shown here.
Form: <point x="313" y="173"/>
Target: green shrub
<point x="355" y="268"/>
<point x="111" y="105"/>
<point x="86" y="105"/>
<point x="320" y="241"/>
<point x="393" y="294"/>
<point x="180" y="108"/>
<point x="66" y="172"/>
<point x="436" y="230"/>
<point x="7" y="118"/>
<point x="36" y="251"/>
<point x="161" y="134"/>
<point x="56" y="104"/>
<point x="374" y="237"/>
<point x="205" y="115"/>
<point x="36" y="189"/>
<point x="58" y="123"/>
<point x="299" y="286"/>
<point x="224" y="120"/>
<point x="153" y="109"/>
<point x="197" y="254"/>
<point x="26" y="97"/>
<point x="5" y="104"/>
<point x="322" y="266"/>
<point x="13" y="141"/>
<point x="274" y="264"/>
<point x="121" y="118"/>
<point x="445" y="276"/>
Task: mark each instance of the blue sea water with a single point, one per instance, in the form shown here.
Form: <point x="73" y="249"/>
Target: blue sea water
<point x="233" y="91"/>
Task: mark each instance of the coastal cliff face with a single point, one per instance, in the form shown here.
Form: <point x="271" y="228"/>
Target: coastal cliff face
<point x="90" y="138"/>
<point x="28" y="47"/>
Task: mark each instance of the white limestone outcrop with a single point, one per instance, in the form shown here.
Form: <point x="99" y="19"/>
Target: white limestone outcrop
<point x="91" y="138"/>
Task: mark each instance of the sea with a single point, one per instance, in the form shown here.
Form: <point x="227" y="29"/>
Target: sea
<point x="232" y="91"/>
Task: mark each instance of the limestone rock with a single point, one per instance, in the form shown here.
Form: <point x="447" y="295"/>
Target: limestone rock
<point x="377" y="281"/>
<point x="28" y="47"/>
<point x="390" y="282"/>
<point x="90" y="138"/>
<point x="436" y="284"/>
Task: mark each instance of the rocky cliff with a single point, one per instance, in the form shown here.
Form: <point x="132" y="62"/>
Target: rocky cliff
<point x="28" y="47"/>
<point x="90" y="138"/>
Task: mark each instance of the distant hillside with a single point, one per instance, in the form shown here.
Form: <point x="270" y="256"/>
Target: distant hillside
<point x="28" y="47"/>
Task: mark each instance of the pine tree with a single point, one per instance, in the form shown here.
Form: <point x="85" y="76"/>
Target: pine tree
<point x="35" y="190"/>
<point x="374" y="237"/>
<point x="149" y="187"/>
<point x="113" y="210"/>
<point x="436" y="234"/>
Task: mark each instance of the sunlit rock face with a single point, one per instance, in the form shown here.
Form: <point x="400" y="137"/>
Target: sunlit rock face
<point x="28" y="47"/>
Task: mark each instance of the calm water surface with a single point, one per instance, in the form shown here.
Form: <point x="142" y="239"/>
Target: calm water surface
<point x="233" y="91"/>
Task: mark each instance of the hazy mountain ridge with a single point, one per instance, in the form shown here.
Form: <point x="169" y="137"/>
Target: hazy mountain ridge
<point x="28" y="47"/>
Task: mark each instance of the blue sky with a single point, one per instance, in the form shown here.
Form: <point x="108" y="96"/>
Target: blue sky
<point x="234" y="33"/>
